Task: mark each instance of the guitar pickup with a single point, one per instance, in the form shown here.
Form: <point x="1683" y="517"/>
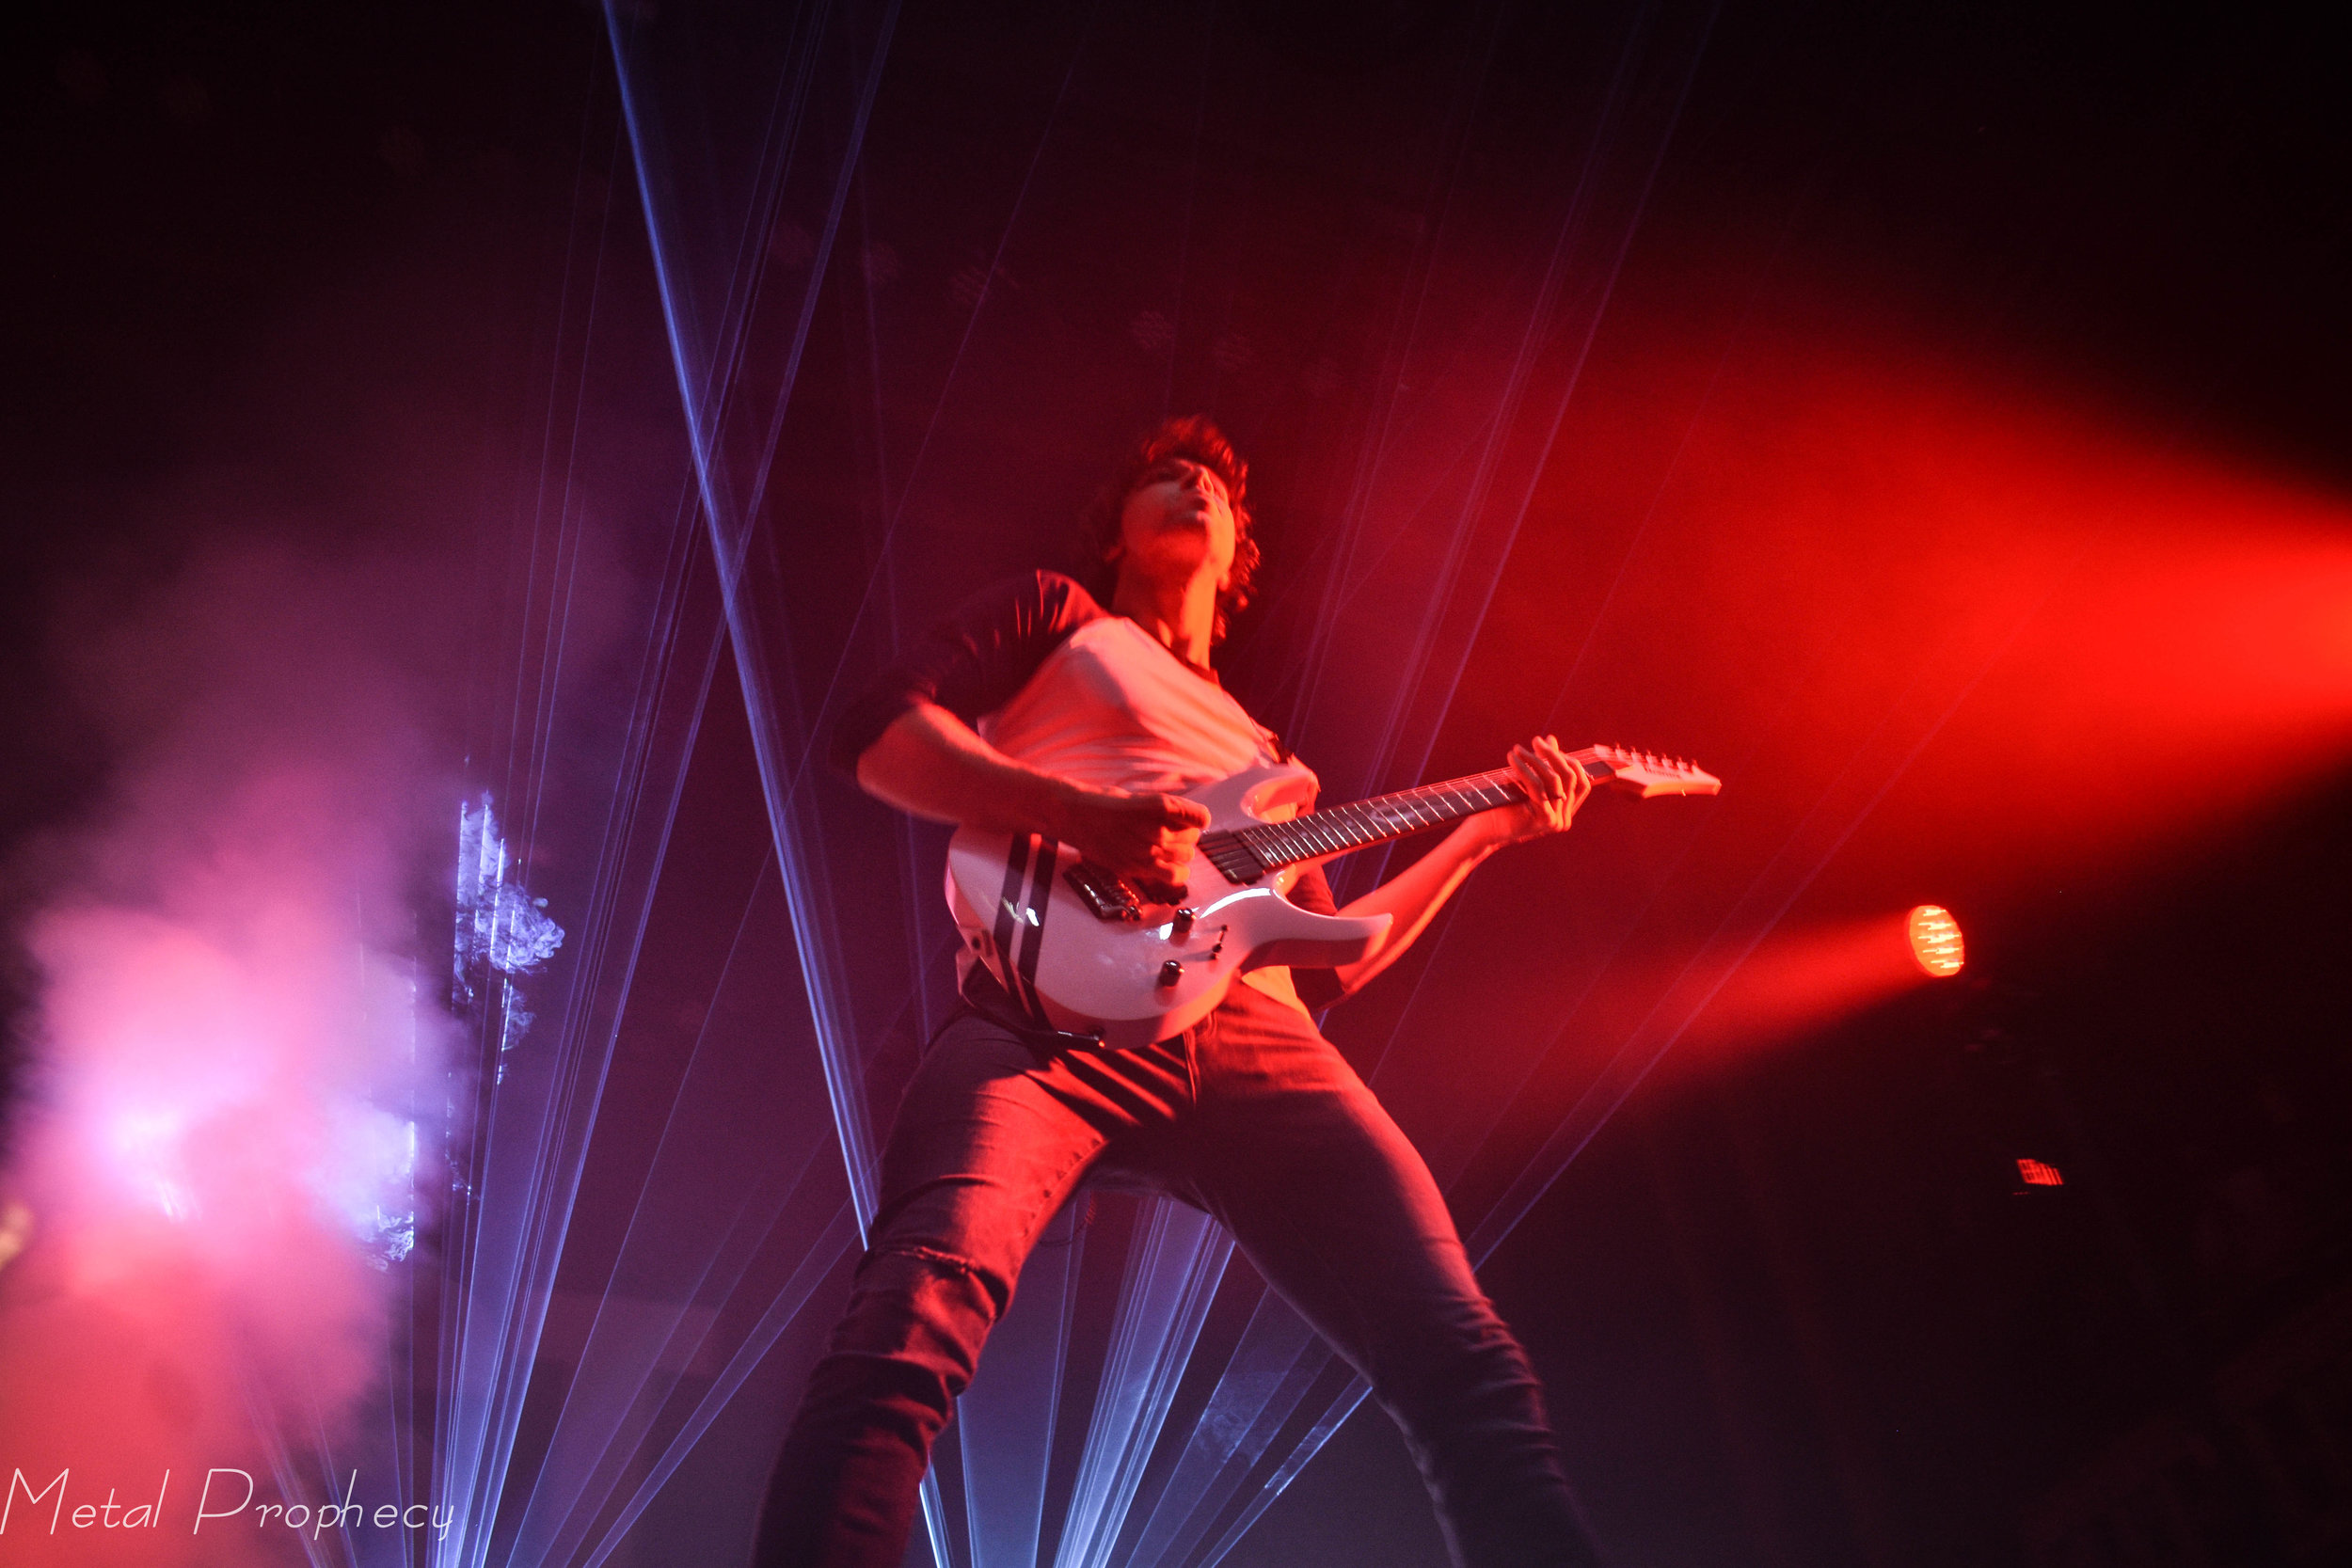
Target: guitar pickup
<point x="1108" y="897"/>
<point x="1233" y="859"/>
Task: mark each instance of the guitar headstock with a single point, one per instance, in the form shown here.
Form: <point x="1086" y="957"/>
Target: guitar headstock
<point x="1646" y="773"/>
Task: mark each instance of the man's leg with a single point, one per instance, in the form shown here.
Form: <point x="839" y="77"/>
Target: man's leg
<point x="1338" y="1210"/>
<point x="991" y="1137"/>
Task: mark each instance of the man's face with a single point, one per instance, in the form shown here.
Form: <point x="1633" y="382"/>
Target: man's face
<point x="1177" y="520"/>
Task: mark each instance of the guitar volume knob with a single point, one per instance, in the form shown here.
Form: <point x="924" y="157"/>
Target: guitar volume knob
<point x="1171" y="973"/>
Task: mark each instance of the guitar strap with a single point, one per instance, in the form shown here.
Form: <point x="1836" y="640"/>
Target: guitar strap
<point x="985" y="996"/>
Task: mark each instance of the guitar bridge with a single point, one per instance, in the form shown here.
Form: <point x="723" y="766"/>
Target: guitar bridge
<point x="1108" y="897"/>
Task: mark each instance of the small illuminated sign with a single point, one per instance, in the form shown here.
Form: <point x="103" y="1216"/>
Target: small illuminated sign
<point x="2036" y="1174"/>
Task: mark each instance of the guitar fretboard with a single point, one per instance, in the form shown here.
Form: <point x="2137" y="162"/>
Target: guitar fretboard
<point x="1246" y="854"/>
<point x="1276" y="845"/>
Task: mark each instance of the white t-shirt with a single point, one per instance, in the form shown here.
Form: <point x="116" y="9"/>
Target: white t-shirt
<point x="1114" y="708"/>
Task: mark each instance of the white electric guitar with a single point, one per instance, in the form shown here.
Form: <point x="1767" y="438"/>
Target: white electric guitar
<point x="1088" y="953"/>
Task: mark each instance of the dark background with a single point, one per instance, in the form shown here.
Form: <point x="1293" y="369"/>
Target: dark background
<point x="1814" y="1316"/>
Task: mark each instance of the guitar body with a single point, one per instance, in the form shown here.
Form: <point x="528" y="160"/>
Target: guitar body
<point x="1089" y="972"/>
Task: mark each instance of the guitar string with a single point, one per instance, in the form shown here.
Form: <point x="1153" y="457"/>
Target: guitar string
<point x="1364" y="822"/>
<point x="1339" y="828"/>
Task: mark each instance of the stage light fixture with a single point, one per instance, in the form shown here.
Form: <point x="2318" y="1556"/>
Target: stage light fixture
<point x="1935" y="941"/>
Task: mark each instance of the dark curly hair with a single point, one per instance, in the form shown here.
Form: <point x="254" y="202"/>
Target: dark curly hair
<point x="1190" y="436"/>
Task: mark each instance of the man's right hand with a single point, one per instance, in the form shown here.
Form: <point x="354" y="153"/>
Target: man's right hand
<point x="1147" y="838"/>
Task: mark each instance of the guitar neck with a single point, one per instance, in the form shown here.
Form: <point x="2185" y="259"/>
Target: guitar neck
<point x="1245" y="854"/>
<point x="1322" y="833"/>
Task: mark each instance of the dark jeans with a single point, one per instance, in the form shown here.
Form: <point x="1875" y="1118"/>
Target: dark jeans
<point x="1252" y="1116"/>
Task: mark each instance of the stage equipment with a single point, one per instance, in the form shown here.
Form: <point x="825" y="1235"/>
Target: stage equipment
<point x="2039" y="1173"/>
<point x="1935" y="941"/>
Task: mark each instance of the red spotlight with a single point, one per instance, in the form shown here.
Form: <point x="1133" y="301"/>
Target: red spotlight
<point x="1935" y="941"/>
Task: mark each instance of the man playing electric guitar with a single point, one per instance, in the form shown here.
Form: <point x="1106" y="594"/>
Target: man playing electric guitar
<point x="1036" y="711"/>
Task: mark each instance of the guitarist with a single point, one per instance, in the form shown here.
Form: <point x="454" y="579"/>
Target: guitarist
<point x="1037" y="709"/>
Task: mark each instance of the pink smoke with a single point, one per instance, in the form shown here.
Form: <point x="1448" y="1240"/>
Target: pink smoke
<point x="220" y="1155"/>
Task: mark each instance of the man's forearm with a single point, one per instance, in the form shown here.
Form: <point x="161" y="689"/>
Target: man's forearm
<point x="934" y="764"/>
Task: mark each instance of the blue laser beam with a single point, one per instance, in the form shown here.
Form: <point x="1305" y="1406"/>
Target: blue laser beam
<point x="798" y="843"/>
<point x="513" y="1206"/>
<point x="821" y="1258"/>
